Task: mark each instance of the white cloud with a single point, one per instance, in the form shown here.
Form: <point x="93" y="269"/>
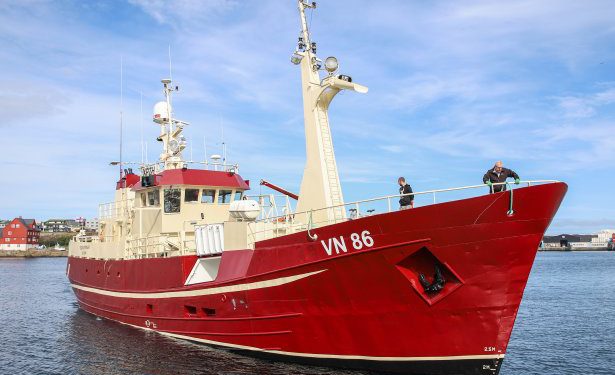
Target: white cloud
<point x="23" y="102"/>
<point x="183" y="12"/>
<point x="582" y="106"/>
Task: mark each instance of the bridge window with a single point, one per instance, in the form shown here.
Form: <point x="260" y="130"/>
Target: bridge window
<point x="191" y="195"/>
<point x="238" y="195"/>
<point x="224" y="196"/>
<point x="209" y="196"/>
<point x="153" y="198"/>
<point x="172" y="200"/>
<point x="143" y="199"/>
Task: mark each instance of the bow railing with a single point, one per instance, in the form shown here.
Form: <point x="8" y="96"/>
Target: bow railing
<point x="292" y="223"/>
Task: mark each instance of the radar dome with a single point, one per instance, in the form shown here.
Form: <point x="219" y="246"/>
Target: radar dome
<point x="161" y="112"/>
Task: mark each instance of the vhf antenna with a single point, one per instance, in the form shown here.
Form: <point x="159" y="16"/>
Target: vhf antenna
<point x="170" y="66"/>
<point x="223" y="143"/>
<point x="142" y="142"/>
<point x="121" y="109"/>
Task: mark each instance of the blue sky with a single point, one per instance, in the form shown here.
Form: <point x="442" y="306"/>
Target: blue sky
<point x="454" y="86"/>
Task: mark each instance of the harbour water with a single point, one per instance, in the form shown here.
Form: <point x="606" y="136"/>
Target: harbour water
<point x="566" y="325"/>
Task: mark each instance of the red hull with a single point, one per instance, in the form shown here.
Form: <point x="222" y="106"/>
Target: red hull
<point x="361" y="308"/>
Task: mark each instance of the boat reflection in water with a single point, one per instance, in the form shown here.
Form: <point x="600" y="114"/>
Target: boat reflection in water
<point x="101" y="347"/>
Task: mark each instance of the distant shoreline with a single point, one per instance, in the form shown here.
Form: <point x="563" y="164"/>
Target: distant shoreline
<point x="581" y="249"/>
<point x="33" y="254"/>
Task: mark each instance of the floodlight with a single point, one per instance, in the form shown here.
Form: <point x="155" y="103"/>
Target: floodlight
<point x="296" y="58"/>
<point x="331" y="64"/>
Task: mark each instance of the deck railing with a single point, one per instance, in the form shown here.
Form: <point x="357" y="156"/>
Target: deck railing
<point x="114" y="209"/>
<point x="146" y="247"/>
<point x="285" y="224"/>
<point x="272" y="205"/>
<point x="157" y="167"/>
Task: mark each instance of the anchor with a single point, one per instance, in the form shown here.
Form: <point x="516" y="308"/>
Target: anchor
<point x="438" y="281"/>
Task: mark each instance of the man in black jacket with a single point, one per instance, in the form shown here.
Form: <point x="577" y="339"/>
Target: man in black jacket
<point x="499" y="174"/>
<point x="407" y="201"/>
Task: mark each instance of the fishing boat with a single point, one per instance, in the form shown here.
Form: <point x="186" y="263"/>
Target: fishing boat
<point x="185" y="250"/>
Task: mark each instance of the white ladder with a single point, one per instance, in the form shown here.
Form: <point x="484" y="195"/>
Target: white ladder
<point x="330" y="165"/>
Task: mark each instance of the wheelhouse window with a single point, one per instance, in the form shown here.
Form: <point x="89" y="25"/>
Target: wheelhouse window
<point x="224" y="196"/>
<point x="191" y="195"/>
<point x="143" y="199"/>
<point x="209" y="196"/>
<point x="153" y="198"/>
<point x="238" y="195"/>
<point x="172" y="200"/>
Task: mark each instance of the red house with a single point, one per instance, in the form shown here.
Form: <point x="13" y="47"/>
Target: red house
<point x="19" y="234"/>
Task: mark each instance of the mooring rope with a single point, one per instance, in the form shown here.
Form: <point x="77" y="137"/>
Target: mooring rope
<point x="314" y="236"/>
<point x="510" y="206"/>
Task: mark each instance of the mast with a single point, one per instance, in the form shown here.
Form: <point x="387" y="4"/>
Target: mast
<point x="173" y="141"/>
<point x="320" y="186"/>
<point x="141" y="123"/>
<point x="121" y="112"/>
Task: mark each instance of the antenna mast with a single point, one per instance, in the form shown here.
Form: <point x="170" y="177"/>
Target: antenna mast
<point x="121" y="110"/>
<point x="142" y="143"/>
<point x="173" y="142"/>
<point x="320" y="186"/>
<point x="223" y="143"/>
<point x="205" y="150"/>
<point x="170" y="66"/>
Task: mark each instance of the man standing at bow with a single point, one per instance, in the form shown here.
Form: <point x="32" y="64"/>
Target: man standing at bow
<point x="405" y="192"/>
<point x="499" y="174"/>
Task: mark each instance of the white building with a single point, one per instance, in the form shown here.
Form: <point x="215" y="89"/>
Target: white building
<point x="603" y="236"/>
<point x="92" y="224"/>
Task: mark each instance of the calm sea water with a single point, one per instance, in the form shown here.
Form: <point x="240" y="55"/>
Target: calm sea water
<point x="566" y="325"/>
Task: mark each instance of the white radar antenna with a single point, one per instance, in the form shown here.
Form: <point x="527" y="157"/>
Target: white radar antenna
<point x="173" y="141"/>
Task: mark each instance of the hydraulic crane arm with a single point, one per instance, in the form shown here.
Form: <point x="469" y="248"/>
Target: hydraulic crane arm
<point x="279" y="189"/>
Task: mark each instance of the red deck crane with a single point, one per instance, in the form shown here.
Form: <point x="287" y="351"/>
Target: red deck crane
<point x="279" y="189"/>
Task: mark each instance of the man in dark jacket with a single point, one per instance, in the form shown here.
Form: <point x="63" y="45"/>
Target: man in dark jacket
<point x="499" y="174"/>
<point x="407" y="201"/>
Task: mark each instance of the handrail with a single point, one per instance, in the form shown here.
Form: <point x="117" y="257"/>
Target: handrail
<point x="270" y="207"/>
<point x="159" y="165"/>
<point x="114" y="209"/>
<point x="290" y="223"/>
<point x="145" y="247"/>
<point x="528" y="182"/>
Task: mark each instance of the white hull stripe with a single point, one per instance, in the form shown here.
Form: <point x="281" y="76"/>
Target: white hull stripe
<point x="331" y="356"/>
<point x="323" y="356"/>
<point x="200" y="292"/>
